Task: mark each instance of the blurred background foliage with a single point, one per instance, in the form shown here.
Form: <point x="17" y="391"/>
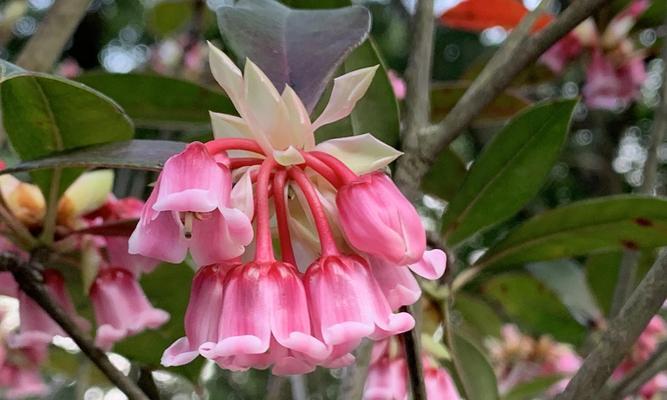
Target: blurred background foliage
<point x="149" y="56"/>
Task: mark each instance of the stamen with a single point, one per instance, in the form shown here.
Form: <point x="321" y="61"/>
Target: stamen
<point x="187" y="224"/>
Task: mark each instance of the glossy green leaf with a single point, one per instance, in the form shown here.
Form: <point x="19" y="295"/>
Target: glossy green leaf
<point x="473" y="369"/>
<point x="534" y="306"/>
<point x="532" y="389"/>
<point x="568" y="281"/>
<point x="445" y="95"/>
<point x="445" y="176"/>
<point x="154" y="101"/>
<point x="301" y="48"/>
<point x="376" y="112"/>
<point x="168" y="288"/>
<point x="510" y="170"/>
<point x="478" y="314"/>
<point x="132" y="154"/>
<point x="8" y="70"/>
<point x="585" y="227"/>
<point x="44" y="114"/>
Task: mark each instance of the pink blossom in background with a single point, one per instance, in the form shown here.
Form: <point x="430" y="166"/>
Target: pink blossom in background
<point x="654" y="333"/>
<point x="518" y="358"/>
<point x="397" y="84"/>
<point x="562" y="53"/>
<point x="36" y="326"/>
<point x="69" y="68"/>
<point x="609" y="86"/>
<point x="388" y="376"/>
<point x="19" y="373"/>
<point x="121" y="307"/>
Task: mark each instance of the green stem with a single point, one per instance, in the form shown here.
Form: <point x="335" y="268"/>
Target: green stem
<point x="51" y="208"/>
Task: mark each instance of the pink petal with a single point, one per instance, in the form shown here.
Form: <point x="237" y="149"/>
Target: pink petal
<point x="221" y="235"/>
<point x="397" y="283"/>
<point x="432" y="265"/>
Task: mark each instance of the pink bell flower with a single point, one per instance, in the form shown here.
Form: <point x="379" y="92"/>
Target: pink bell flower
<point x="121" y="308"/>
<point x="202" y="317"/>
<point x="37" y="327"/>
<point x="8" y="286"/>
<point x="347" y="304"/>
<point x="22" y="382"/>
<point x="611" y="87"/>
<point x="189" y="208"/>
<point x="377" y="219"/>
<point x="387" y="380"/>
<point x="264" y="310"/>
<point x="561" y="53"/>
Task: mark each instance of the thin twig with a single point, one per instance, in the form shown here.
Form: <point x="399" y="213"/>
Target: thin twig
<point x="29" y="280"/>
<point x="352" y="387"/>
<point x="299" y="387"/>
<point x="147" y="383"/>
<point x="415" y="165"/>
<point x="639" y="375"/>
<point x="623" y="331"/>
<point x="628" y="269"/>
<point x="411" y="344"/>
<point x="45" y="46"/>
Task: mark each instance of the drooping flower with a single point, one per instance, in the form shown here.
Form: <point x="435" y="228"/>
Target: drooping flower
<point x="610" y="86"/>
<point x="252" y="310"/>
<point x="19" y="373"/>
<point x="121" y="307"/>
<point x="190" y="208"/>
<point x="37" y="327"/>
<point x="373" y="207"/>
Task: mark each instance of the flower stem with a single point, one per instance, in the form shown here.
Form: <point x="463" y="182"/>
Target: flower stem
<point x="240" y="162"/>
<point x="281" y="216"/>
<point x="345" y="174"/>
<point x="219" y="145"/>
<point x="327" y="242"/>
<point x="264" y="252"/>
<point x="321" y="168"/>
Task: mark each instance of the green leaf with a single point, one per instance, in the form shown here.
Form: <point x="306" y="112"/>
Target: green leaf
<point x="473" y="369"/>
<point x="478" y="314"/>
<point x="584" y="227"/>
<point x="154" y="101"/>
<point x="301" y="48"/>
<point x="44" y="114"/>
<point x="510" y="170"/>
<point x="169" y="16"/>
<point x="532" y="389"/>
<point x="534" y="306"/>
<point x="445" y="176"/>
<point x="445" y="95"/>
<point x="132" y="154"/>
<point x="602" y="275"/>
<point x="376" y="112"/>
<point x="168" y="288"/>
<point x="568" y="281"/>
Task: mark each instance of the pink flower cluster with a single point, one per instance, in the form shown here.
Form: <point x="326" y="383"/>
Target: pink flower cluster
<point x="616" y="69"/>
<point x="648" y="341"/>
<point x="261" y="312"/>
<point x="388" y="376"/>
<point x="518" y="359"/>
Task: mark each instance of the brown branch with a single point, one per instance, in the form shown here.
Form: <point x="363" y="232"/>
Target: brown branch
<point x="482" y="92"/>
<point x="28" y="277"/>
<point x="623" y="331"/>
<point x="45" y="46"/>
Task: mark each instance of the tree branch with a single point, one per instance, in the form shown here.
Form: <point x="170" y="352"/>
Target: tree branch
<point x="483" y="91"/>
<point x="29" y="279"/>
<point x="45" y="46"/>
<point x="418" y="96"/>
<point x="623" y="331"/>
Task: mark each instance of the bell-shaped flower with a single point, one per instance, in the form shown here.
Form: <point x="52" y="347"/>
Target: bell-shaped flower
<point x="347" y="304"/>
<point x="190" y="208"/>
<point x="19" y="373"/>
<point x="265" y="301"/>
<point x="121" y="307"/>
<point x="439" y="384"/>
<point x="397" y="283"/>
<point x="202" y="317"/>
<point x="36" y="326"/>
<point x="387" y="380"/>
<point x="377" y="219"/>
